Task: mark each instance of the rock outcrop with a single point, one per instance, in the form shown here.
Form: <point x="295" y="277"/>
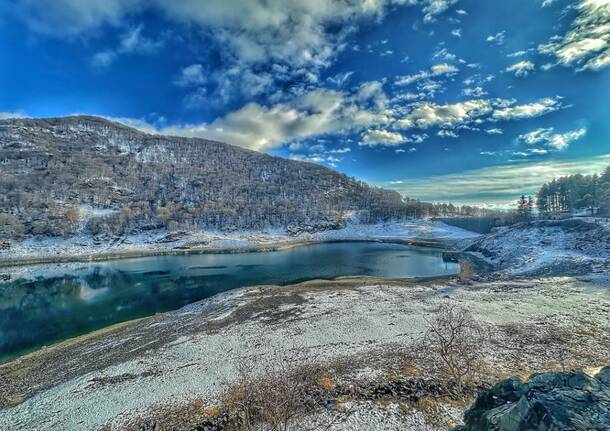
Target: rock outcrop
<point x="546" y="247"/>
<point x="548" y="401"/>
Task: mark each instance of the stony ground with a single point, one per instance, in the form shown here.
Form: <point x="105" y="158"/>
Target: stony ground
<point x="572" y="246"/>
<point x="136" y="373"/>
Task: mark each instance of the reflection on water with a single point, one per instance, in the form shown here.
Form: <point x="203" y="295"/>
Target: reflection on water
<point x="53" y="302"/>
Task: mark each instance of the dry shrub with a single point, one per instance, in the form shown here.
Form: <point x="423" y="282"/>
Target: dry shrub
<point x="454" y="339"/>
<point x="277" y="399"/>
<point x="326" y="383"/>
<point x="197" y="405"/>
<point x="467" y="273"/>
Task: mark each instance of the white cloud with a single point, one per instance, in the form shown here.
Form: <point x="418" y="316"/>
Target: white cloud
<point x="432" y="8"/>
<point x="471" y="113"/>
<point x="428" y="114"/>
<point x="528" y="110"/>
<point x="547" y="137"/>
<point x="442" y="53"/>
<point x="130" y="42"/>
<point x="317" y="158"/>
<point x="380" y="137"/>
<point x="196" y="99"/>
<point x="255" y="31"/>
<point x="522" y="68"/>
<point x="340" y="79"/>
<point x="497" y="39"/>
<point x="517" y="54"/>
<point x="68" y="18"/>
<point x="494" y="131"/>
<point x="442" y="69"/>
<point x="443" y="133"/>
<point x="474" y="92"/>
<point x="191" y="75"/>
<point x="314" y="113"/>
<point x="456" y="32"/>
<point x="587" y="43"/>
<point x="341" y="150"/>
<point x="254" y="36"/>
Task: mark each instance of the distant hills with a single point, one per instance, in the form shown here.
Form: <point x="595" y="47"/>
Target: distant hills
<point x="81" y="174"/>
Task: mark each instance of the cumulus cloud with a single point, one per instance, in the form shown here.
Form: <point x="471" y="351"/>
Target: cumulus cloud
<point x="432" y="8"/>
<point x="191" y="75"/>
<point x="443" y="133"/>
<point x="547" y="137"/>
<point x="442" y="69"/>
<point x="522" y="68"/>
<point x="311" y="114"/>
<point x="587" y="43"/>
<point x="380" y="137"/>
<point x="494" y="131"/>
<point x="324" y="159"/>
<point x="471" y="113"/>
<point x="528" y="110"/>
<point x="496" y="39"/>
<point x="255" y="31"/>
<point x="474" y="92"/>
<point x="255" y="38"/>
<point x="428" y="114"/>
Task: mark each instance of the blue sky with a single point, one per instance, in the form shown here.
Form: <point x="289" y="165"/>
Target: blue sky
<point x="445" y="100"/>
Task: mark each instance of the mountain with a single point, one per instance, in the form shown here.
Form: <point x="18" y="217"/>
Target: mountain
<point x="87" y="174"/>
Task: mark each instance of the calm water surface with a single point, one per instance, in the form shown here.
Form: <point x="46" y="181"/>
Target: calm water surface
<point x="53" y="302"/>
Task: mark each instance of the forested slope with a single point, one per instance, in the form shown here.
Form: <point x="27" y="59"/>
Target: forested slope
<point x="87" y="174"/>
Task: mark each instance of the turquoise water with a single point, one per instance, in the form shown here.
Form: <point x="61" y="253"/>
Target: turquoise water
<point x="55" y="302"/>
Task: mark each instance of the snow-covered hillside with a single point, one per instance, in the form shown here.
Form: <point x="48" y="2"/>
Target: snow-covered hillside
<point x="573" y="246"/>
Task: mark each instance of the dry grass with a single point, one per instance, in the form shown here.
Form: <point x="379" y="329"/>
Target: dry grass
<point x="325" y="382"/>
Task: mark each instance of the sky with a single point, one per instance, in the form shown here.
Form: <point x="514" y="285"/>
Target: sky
<point x="467" y="101"/>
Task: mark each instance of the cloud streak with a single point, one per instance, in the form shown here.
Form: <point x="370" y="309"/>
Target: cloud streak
<point x="586" y="45"/>
<point x="498" y="185"/>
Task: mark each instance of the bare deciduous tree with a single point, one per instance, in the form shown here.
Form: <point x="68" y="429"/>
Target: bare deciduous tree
<point x="455" y="338"/>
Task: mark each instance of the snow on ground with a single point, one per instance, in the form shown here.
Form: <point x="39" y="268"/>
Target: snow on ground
<point x="370" y="416"/>
<point x="572" y="246"/>
<point x="197" y="349"/>
<point x="160" y="240"/>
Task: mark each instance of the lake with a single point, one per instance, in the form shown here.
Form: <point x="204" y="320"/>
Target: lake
<point x="54" y="302"/>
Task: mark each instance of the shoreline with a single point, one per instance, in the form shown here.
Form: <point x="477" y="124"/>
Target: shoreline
<point x="346" y="281"/>
<point x="139" y="370"/>
<point x="440" y="244"/>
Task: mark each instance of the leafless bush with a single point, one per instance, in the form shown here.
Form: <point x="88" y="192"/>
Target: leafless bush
<point x="455" y="339"/>
<point x="278" y="399"/>
<point x="467" y="272"/>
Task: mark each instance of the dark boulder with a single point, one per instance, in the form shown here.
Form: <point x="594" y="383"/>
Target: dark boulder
<point x="547" y="401"/>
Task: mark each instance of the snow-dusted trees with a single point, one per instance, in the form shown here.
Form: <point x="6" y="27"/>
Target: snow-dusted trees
<point x="575" y="192"/>
<point x="51" y="168"/>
